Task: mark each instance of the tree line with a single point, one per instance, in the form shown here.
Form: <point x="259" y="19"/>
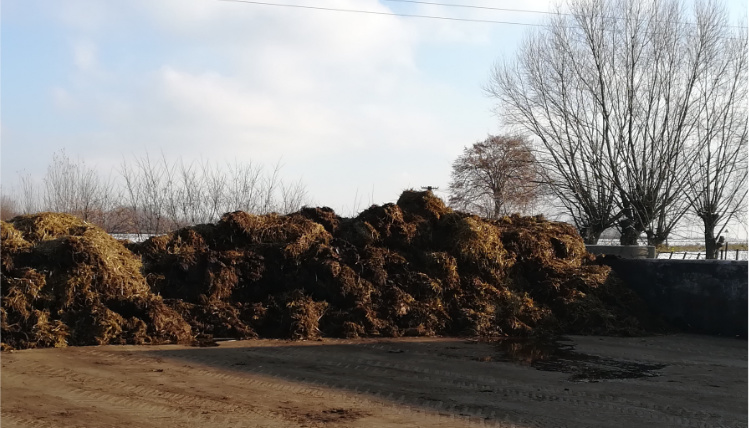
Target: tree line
<point x="639" y="111"/>
<point x="626" y="114"/>
<point x="152" y="195"/>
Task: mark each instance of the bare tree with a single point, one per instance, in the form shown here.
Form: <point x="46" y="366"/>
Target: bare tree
<point x="165" y="195"/>
<point x="74" y="188"/>
<point x="270" y="184"/>
<point x="61" y="184"/>
<point x="718" y="185"/>
<point x="148" y="192"/>
<point x="30" y="195"/>
<point x="244" y="186"/>
<point x="155" y="196"/>
<point x="9" y="207"/>
<point x="173" y="194"/>
<point x="495" y="177"/>
<point x="610" y="89"/>
<point x="132" y="196"/>
<point x="293" y="196"/>
<point x="192" y="199"/>
<point x="215" y="183"/>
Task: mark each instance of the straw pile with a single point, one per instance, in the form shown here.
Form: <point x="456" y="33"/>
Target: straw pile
<point x="65" y="282"/>
<point x="413" y="268"/>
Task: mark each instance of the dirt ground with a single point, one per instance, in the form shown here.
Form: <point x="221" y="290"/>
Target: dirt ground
<point x="666" y="381"/>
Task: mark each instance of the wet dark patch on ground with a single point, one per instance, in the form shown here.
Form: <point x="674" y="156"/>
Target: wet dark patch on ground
<point x="558" y="355"/>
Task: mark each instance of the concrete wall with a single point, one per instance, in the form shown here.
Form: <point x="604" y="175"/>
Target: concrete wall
<point x="698" y="296"/>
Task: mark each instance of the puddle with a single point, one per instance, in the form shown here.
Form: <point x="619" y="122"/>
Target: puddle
<point x="559" y="356"/>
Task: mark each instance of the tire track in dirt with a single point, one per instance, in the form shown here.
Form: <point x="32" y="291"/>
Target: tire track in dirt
<point x="366" y="398"/>
<point x="467" y="385"/>
<point x="391" y="382"/>
<point x="321" y="389"/>
<point x="17" y="421"/>
<point x="361" y="373"/>
<point x="146" y="399"/>
<point x="724" y="350"/>
<point x="145" y="393"/>
<point x="379" y="403"/>
<point x="293" y="359"/>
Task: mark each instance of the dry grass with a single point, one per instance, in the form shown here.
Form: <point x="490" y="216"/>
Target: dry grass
<point x="45" y="226"/>
<point x="12" y="243"/>
<point x="12" y="238"/>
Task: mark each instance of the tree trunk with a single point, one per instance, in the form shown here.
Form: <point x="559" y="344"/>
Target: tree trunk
<point x="711" y="244"/>
<point x="590" y="234"/>
<point x="657" y="239"/>
<point x="630" y="234"/>
<point x="627" y="224"/>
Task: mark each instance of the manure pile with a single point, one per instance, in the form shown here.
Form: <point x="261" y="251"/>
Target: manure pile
<point x="414" y="268"/>
<point x="65" y="282"/>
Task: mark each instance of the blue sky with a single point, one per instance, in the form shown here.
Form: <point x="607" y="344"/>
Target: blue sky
<point x="354" y="105"/>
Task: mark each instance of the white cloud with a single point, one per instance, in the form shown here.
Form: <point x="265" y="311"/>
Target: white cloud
<point x="85" y="15"/>
<point x="63" y="100"/>
<point x="309" y="82"/>
<point x="210" y="103"/>
<point x="338" y="97"/>
<point x="84" y="55"/>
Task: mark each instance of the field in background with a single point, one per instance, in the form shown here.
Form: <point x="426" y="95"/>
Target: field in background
<point x="700" y="255"/>
<point x="691" y="249"/>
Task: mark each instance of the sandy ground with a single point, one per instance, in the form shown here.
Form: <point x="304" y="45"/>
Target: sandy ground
<point x="683" y="381"/>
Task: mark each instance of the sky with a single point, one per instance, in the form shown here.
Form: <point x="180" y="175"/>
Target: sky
<point x="357" y="106"/>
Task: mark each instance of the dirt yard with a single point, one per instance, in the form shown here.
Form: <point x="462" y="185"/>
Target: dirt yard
<point x="667" y="381"/>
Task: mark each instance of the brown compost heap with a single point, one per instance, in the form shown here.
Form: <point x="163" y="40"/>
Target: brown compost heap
<point x="65" y="282"/>
<point x="413" y="268"/>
